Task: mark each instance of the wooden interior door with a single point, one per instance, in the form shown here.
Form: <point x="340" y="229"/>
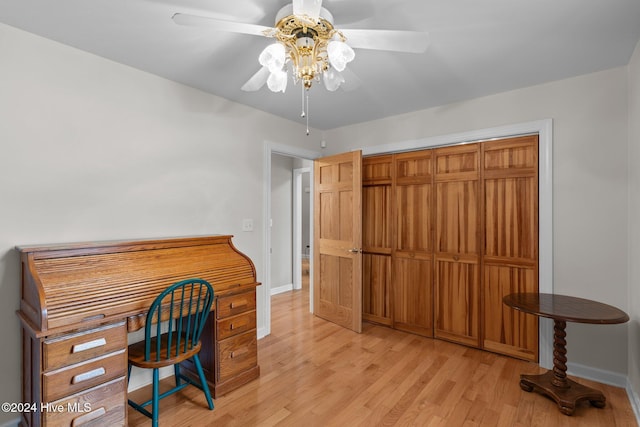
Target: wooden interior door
<point x="412" y="255"/>
<point x="376" y="239"/>
<point x="457" y="244"/>
<point x="337" y="284"/>
<point x="510" y="174"/>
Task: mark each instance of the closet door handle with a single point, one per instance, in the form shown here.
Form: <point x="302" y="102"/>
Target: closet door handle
<point x="355" y="250"/>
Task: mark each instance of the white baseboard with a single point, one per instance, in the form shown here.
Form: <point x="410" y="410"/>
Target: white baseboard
<point x="634" y="400"/>
<point x="262" y="332"/>
<point x="143" y="377"/>
<point x="282" y="289"/>
<point x="610" y="378"/>
<point x="595" y="374"/>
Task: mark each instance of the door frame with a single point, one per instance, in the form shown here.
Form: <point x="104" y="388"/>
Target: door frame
<point x="264" y="308"/>
<point x="297" y="225"/>
<point x="544" y="129"/>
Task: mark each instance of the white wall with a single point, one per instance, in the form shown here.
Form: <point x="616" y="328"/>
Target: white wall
<point x="92" y="150"/>
<point x="282" y="217"/>
<point x="590" y="185"/>
<point x="634" y="224"/>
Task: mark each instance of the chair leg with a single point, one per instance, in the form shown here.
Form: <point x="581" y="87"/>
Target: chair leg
<point x="176" y="371"/>
<point x="155" y="407"/>
<point x="128" y="373"/>
<point x="203" y="381"/>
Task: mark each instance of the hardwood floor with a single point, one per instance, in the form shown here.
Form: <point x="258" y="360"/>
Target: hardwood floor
<point x="315" y="373"/>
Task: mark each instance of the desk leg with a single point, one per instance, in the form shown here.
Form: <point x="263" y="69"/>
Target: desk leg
<point x="555" y="384"/>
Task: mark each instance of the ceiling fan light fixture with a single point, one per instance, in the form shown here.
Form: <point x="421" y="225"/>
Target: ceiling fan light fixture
<point x="332" y="79"/>
<point x="340" y="54"/>
<point x="277" y="81"/>
<point x="310" y="46"/>
<point x="273" y="57"/>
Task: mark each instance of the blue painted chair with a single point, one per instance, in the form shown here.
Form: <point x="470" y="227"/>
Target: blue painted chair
<point x="182" y="310"/>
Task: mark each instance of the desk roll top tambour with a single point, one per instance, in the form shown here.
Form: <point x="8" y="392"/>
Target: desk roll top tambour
<point x="78" y="301"/>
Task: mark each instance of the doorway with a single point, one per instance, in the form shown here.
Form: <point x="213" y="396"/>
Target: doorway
<point x="279" y="216"/>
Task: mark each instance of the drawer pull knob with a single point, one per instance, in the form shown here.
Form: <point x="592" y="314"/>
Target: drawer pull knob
<point x="231" y="327"/>
<point x="88" y="375"/>
<point x="241" y="352"/>
<point x="89" y="416"/>
<point x="88" y="345"/>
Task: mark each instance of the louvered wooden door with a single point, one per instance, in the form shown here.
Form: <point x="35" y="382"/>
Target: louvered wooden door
<point x="457" y="243"/>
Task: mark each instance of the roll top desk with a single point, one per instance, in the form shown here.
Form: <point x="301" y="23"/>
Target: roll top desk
<point x="79" y="301"/>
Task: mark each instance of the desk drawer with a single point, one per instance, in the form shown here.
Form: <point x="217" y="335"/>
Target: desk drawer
<point x="63" y="382"/>
<point x="75" y="348"/>
<point x="235" y="325"/>
<point x="104" y="405"/>
<point x="237" y="354"/>
<point x="235" y="304"/>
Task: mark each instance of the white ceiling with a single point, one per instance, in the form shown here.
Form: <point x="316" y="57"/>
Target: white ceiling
<point x="477" y="47"/>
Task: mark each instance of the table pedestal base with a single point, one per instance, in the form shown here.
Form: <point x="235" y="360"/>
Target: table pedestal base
<point x="566" y="397"/>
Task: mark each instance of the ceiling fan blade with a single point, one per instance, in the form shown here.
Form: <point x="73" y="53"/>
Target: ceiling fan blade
<point x="310" y="8"/>
<point x="219" y="25"/>
<point x="397" y="41"/>
<point x="256" y="81"/>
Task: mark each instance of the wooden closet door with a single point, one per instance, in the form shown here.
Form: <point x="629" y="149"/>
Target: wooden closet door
<point x="457" y="243"/>
<point x="413" y="247"/>
<point x="510" y="173"/>
<point x="376" y="239"/>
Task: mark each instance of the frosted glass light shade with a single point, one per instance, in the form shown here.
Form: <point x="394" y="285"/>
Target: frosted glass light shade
<point x="340" y="54"/>
<point x="277" y="81"/>
<point x="273" y="57"/>
<point x="310" y="8"/>
<point x="332" y="79"/>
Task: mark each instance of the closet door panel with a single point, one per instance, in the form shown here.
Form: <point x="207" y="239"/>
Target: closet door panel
<point x="376" y="218"/>
<point x="457" y="300"/>
<point x="377" y="238"/>
<point x="457" y="244"/>
<point x="510" y="221"/>
<point x="413" y="294"/>
<point x="413" y="243"/>
<point x="506" y="330"/>
<point x="457" y="217"/>
<point x="413" y="218"/>
<point x="510" y="172"/>
<point x="376" y="305"/>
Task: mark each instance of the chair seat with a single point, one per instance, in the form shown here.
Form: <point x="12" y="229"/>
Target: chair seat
<point x="136" y="353"/>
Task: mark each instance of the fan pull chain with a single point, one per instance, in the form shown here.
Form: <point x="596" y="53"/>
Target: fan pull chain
<point x="307" y="108"/>
<point x="303" y="110"/>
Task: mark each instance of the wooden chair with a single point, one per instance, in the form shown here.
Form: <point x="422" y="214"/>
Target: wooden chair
<point x="182" y="310"/>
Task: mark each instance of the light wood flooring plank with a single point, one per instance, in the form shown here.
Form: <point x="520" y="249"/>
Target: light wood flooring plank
<point x="315" y="373"/>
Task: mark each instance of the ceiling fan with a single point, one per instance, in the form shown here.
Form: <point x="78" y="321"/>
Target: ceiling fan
<point x="308" y="44"/>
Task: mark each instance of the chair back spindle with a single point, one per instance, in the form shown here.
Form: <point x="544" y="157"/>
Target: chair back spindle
<point x="182" y="309"/>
